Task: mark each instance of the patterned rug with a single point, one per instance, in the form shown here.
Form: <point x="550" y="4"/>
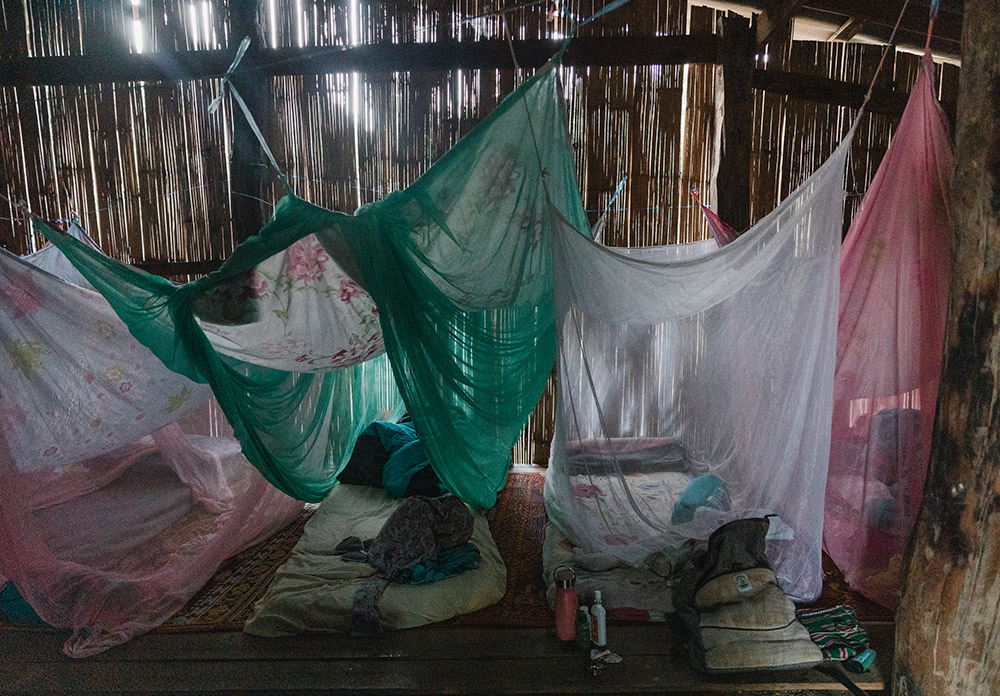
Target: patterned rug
<point x="227" y="599"/>
<point x="836" y="591"/>
<point x="518" y="525"/>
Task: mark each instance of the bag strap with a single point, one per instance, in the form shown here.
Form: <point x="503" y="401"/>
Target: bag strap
<point x="839" y="675"/>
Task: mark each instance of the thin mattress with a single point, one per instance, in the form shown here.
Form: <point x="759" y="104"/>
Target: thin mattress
<point x="313" y="591"/>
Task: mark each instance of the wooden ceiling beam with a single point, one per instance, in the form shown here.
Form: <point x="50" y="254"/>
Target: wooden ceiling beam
<point x="592" y="51"/>
<point x="947" y="26"/>
<point x="848" y="30"/>
<point x="446" y="55"/>
<point x="826" y="91"/>
<point x="774" y="20"/>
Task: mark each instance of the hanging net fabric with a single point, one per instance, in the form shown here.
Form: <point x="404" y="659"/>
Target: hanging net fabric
<point x="50" y="259"/>
<point x="288" y="343"/>
<point x="459" y="266"/>
<point x="894" y="292"/>
<point x="695" y="385"/>
<point x="111" y="515"/>
<point x="76" y="384"/>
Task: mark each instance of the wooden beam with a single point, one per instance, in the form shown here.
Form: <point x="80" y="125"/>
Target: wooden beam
<point x="446" y="55"/>
<point x="732" y="145"/>
<point x="590" y="51"/>
<point x="821" y="89"/>
<point x="848" y="30"/>
<point x="775" y="19"/>
<point x="948" y="25"/>
<point x="438" y="659"/>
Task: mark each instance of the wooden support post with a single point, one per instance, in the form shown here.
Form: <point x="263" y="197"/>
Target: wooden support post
<point x="948" y="623"/>
<point x="249" y="167"/>
<point x="734" y="116"/>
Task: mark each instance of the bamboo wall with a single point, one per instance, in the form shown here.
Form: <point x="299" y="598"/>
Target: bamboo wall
<point x="146" y="167"/>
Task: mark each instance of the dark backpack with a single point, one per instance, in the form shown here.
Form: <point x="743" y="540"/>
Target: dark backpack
<point x="738" y="618"/>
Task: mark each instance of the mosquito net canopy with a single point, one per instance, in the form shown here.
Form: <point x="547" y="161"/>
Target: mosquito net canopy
<point x="112" y="515"/>
<point x="894" y="291"/>
<point x="696" y="383"/>
<point x="460" y="268"/>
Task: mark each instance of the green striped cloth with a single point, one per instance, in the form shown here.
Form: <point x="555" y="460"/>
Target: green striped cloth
<point x="836" y="631"/>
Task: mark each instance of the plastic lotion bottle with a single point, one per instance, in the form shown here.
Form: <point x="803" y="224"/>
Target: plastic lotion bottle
<point x="599" y="617"/>
<point x="566" y="605"/>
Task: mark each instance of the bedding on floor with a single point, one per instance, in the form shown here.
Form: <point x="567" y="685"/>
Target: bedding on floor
<point x="314" y="590"/>
<point x="635" y="566"/>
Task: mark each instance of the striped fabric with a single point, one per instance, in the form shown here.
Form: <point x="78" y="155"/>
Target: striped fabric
<point x="836" y="631"/>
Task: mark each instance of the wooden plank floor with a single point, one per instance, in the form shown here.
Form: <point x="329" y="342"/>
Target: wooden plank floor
<point x="429" y="660"/>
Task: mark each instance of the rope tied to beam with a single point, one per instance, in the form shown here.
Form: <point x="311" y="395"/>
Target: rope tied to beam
<point x="214" y="106"/>
<point x="889" y="46"/>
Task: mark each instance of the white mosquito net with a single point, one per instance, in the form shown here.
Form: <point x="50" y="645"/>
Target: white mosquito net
<point x="696" y="385"/>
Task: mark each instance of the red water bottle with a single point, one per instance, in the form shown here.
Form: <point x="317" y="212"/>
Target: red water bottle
<point x="566" y="604"/>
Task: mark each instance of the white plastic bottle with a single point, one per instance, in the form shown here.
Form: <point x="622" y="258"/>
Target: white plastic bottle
<point x="599" y="624"/>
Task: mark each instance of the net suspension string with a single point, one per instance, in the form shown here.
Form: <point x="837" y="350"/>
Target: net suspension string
<point x="615" y="4"/>
<point x="498" y="13"/>
<point x="217" y="102"/>
<point x="890" y="46"/>
<point x="245" y="44"/>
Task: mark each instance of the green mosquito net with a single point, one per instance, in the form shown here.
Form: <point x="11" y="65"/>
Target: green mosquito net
<point x="458" y="267"/>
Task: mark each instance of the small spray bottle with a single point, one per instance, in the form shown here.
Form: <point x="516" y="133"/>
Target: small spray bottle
<point x="599" y="620"/>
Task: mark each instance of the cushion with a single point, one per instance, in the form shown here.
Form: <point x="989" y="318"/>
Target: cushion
<point x="313" y="591"/>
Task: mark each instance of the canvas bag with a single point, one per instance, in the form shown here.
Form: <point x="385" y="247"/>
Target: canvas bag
<point x="738" y="617"/>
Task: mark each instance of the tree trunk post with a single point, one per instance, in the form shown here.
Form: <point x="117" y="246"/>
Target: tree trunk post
<point x="948" y="622"/>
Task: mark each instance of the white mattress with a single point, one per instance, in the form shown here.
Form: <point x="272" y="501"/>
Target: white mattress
<point x="313" y="591"/>
<point x="597" y="504"/>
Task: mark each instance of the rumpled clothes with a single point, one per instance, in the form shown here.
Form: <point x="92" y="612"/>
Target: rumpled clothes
<point x="353" y="549"/>
<point x="412" y="544"/>
<point x="450" y="563"/>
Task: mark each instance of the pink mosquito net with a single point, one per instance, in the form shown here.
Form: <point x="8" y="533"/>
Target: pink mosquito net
<point x="894" y="271"/>
<point x="722" y="233"/>
<point x="117" y="504"/>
